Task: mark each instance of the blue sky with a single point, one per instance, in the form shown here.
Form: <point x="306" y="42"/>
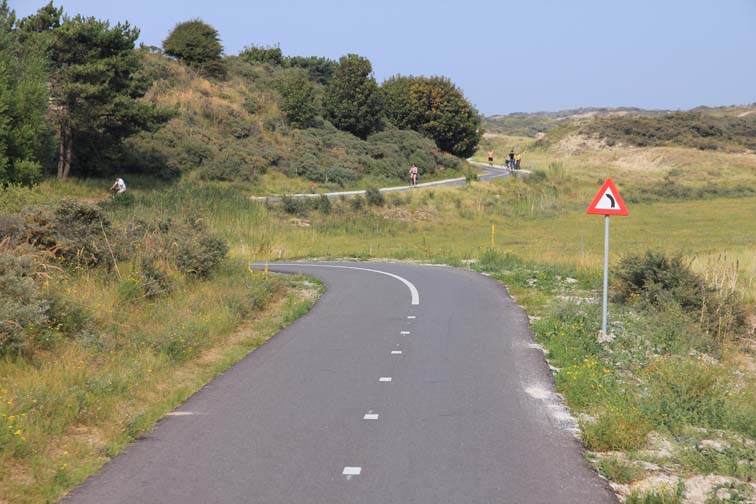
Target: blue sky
<point x="507" y="56"/>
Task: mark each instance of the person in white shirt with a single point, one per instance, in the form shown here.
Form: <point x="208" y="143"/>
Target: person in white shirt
<point x="119" y="186"/>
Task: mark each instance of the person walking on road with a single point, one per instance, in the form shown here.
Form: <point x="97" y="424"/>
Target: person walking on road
<point x="413" y="175"/>
<point x="518" y="159"/>
<point x="512" y="159"/>
<point x="490" y="158"/>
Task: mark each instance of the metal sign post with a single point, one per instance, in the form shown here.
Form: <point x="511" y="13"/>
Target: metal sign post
<point x="606" y="274"/>
<point x="607" y="202"/>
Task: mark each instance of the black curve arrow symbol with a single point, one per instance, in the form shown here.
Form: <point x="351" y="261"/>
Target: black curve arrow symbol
<point x="610" y="199"/>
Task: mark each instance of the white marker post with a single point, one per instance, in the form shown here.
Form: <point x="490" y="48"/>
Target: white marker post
<point x="607" y="202"/>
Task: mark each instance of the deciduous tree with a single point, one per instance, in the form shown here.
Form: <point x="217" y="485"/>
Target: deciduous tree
<point x="353" y="101"/>
<point x="435" y="107"/>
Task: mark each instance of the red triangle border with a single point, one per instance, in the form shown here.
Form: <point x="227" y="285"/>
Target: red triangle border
<point x="622" y="210"/>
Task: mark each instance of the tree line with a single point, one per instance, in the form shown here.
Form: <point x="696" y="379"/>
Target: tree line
<point x="71" y="91"/>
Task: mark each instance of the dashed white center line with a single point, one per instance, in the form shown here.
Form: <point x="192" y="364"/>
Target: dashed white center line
<point x="384" y="379"/>
<point x="351" y="471"/>
<point x="179" y="413"/>
<point x="370" y="416"/>
<point x="411" y="317"/>
<point x="396" y="352"/>
<point x="404" y="332"/>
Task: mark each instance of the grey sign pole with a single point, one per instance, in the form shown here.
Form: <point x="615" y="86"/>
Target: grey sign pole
<point x="606" y="274"/>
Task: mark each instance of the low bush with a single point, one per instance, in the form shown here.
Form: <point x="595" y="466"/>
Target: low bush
<point x="656" y="282"/>
<point x="23" y="308"/>
<point x="324" y="204"/>
<point x="374" y="197"/>
<point x="199" y="255"/>
<point x="294" y="206"/>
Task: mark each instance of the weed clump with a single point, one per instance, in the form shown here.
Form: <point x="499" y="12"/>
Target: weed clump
<point x="374" y="197"/>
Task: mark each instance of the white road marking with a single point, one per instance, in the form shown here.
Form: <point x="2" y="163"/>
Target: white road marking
<point x="370" y="416"/>
<point x="411" y="317"/>
<point x="179" y="413"/>
<point x="396" y="352"/>
<point x="404" y="332"/>
<point x="384" y="379"/>
<point x="351" y="471"/>
<point x="413" y="290"/>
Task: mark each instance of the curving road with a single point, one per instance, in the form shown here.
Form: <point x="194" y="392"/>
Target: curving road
<point x="405" y="384"/>
<point x="489" y="173"/>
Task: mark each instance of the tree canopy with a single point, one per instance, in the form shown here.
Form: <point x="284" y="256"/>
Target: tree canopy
<point x="95" y="82"/>
<point x="197" y="44"/>
<point x="352" y="99"/>
<point x="25" y="136"/>
<point x="435" y="107"/>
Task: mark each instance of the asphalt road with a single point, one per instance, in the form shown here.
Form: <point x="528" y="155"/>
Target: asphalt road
<point x="419" y="387"/>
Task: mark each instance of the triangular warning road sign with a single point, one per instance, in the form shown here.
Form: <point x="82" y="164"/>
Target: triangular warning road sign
<point x="608" y="201"/>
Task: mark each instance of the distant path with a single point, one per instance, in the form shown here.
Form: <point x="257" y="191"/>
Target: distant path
<point x="489" y="173"/>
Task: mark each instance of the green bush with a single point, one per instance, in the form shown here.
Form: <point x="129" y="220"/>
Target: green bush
<point x="656" y="282"/>
<point x="357" y="203"/>
<point x="324" y="204"/>
<point x="374" y="197"/>
<point x="74" y="232"/>
<point x="155" y="281"/>
<point x="22" y="307"/>
<point x="294" y="206"/>
<point x="199" y="255"/>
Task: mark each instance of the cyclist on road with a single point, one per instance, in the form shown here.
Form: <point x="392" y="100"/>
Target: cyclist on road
<point x="118" y="186"/>
<point x="413" y="175"/>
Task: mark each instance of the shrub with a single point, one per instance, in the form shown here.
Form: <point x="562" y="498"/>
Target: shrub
<point x="74" y="232"/>
<point x="293" y="206"/>
<point x="374" y="197"/>
<point x="357" y="203"/>
<point x="21" y="305"/>
<point x="657" y="281"/>
<point x="324" y="204"/>
<point x="155" y="281"/>
<point x="199" y="255"/>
